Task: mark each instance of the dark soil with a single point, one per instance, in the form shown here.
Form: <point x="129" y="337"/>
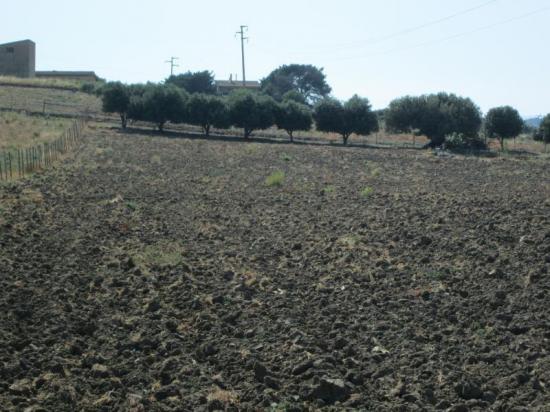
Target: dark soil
<point x="156" y="274"/>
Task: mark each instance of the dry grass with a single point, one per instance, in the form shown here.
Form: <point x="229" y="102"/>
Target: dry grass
<point x="224" y="397"/>
<point x="19" y="131"/>
<point x="58" y="101"/>
<point x="38" y="82"/>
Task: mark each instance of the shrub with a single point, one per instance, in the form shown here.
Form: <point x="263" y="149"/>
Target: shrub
<point x="275" y="179"/>
<point x="207" y="111"/>
<point x="355" y="116"/>
<point x="251" y="111"/>
<point x="459" y="141"/>
<point x="292" y="116"/>
<point x="503" y="123"/>
<point x="88" y="88"/>
<point x="367" y="191"/>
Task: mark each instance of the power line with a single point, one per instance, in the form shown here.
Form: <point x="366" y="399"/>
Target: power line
<point x="241" y="33"/>
<point x="376" y="40"/>
<point x="452" y="37"/>
<point x="173" y="64"/>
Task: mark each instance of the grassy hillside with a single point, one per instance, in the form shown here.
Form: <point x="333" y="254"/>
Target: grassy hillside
<point x="36" y="82"/>
<point x="57" y="101"/>
<point x="18" y="130"/>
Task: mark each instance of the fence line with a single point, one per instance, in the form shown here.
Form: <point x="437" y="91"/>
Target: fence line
<point x="17" y="163"/>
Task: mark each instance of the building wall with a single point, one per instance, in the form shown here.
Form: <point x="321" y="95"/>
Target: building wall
<point x="88" y="77"/>
<point x="18" y="59"/>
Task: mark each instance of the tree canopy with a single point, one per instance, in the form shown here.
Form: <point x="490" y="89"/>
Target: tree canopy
<point x="502" y="123"/>
<point x="115" y="98"/>
<point x="434" y="116"/>
<point x="305" y="79"/>
<point x="159" y="104"/>
<point x="354" y="116"/>
<point x="251" y="111"/>
<point x="292" y="116"/>
<point x="207" y="111"/>
<point x="194" y="82"/>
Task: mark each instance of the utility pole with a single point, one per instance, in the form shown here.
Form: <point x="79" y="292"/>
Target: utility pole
<point x="173" y="64"/>
<point x="242" y="33"/>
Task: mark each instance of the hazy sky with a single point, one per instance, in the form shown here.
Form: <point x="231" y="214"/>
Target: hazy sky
<point x="495" y="52"/>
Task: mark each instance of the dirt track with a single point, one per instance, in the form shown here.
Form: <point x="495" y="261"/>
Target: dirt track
<point x="155" y="274"/>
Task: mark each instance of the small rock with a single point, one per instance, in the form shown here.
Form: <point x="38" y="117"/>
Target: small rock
<point x="302" y="367"/>
<point x="410" y="397"/>
<point x="459" y="408"/>
<point x="100" y="371"/>
<point x="489" y="396"/>
<point x="260" y="371"/>
<point x="21" y="387"/>
<point x="330" y="390"/>
<point x="443" y="405"/>
<point x="208" y="350"/>
<point x="153" y="306"/>
<point x="522" y="378"/>
<point x="271" y="382"/>
<point x="218" y="299"/>
<point x="228" y="275"/>
<point x="166" y="392"/>
<point x="468" y="390"/>
<point x="496" y="273"/>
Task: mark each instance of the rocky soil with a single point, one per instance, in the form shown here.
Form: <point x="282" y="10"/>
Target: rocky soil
<point x="148" y="273"/>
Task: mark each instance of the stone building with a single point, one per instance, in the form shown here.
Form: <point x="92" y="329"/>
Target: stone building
<point x="68" y="75"/>
<point x="18" y="59"/>
<point x="225" y="87"/>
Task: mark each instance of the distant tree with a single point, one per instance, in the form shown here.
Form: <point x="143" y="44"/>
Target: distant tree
<point x="251" y="111"/>
<point x="503" y="123"/>
<point x="354" y="116"/>
<point x="292" y="116"/>
<point x="115" y="98"/>
<point x="194" y="82"/>
<point x="305" y="79"/>
<point x="434" y="116"/>
<point x="295" y="96"/>
<point x="207" y="111"/>
<point x="159" y="104"/>
<point x="544" y="130"/>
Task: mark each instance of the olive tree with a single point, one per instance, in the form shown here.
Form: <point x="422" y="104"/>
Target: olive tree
<point x="354" y="116"/>
<point x="292" y="116"/>
<point x="434" y="116"/>
<point x="115" y="98"/>
<point x="159" y="104"/>
<point x="502" y="123"/>
<point x="251" y="111"/>
<point x="207" y="111"/>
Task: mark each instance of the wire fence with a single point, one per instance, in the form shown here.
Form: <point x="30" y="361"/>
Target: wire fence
<point x="16" y="163"/>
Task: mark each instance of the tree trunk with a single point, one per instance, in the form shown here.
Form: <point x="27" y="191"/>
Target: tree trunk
<point x="123" y="120"/>
<point x="502" y="144"/>
<point x="291" y="136"/>
<point x="345" y="138"/>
